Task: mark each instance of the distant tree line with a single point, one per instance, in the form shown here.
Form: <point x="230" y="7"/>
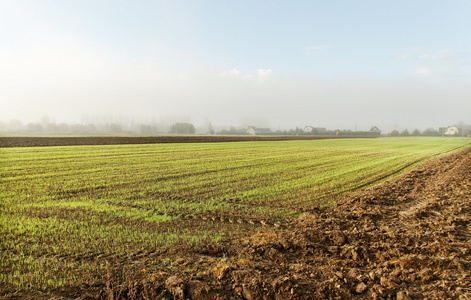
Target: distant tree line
<point x="48" y="127"/>
<point x="106" y="128"/>
<point x="64" y="128"/>
<point x="182" y="128"/>
<point x="465" y="131"/>
<point x="352" y="133"/>
<point x="233" y="131"/>
<point x="299" y="132"/>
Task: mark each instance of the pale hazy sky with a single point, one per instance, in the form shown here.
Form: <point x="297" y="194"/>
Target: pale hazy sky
<point x="336" y="64"/>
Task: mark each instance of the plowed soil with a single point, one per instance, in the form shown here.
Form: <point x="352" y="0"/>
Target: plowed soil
<point x="119" y="140"/>
<point x="409" y="238"/>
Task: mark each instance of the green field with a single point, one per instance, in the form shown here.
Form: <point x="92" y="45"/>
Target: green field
<point x="69" y="213"/>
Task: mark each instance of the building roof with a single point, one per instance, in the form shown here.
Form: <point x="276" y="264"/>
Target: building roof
<point x="374" y="129"/>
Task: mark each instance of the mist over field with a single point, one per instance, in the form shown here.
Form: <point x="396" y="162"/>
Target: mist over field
<point x="343" y="65"/>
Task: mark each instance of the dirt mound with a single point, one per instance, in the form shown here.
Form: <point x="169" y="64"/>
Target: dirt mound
<point x="409" y="238"/>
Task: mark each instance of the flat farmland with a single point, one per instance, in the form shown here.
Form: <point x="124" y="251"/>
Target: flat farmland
<point x="76" y="214"/>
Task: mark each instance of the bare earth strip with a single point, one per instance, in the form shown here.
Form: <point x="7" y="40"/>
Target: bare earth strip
<point x="409" y="238"/>
<point x="121" y="140"/>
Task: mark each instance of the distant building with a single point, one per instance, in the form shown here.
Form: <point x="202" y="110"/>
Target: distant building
<point x="375" y="130"/>
<point x="309" y="129"/>
<point x="252" y="130"/>
<point x="451" y="130"/>
<point x="314" y="130"/>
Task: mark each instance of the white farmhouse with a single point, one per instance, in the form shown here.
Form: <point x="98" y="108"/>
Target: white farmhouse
<point x="452" y="130"/>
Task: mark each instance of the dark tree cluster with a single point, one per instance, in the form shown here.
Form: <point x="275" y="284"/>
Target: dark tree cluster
<point x="182" y="128"/>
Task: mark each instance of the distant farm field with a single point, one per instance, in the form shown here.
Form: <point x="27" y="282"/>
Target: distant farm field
<point x="69" y="213"/>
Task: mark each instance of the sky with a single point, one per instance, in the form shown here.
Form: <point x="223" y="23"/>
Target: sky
<point x="340" y="64"/>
